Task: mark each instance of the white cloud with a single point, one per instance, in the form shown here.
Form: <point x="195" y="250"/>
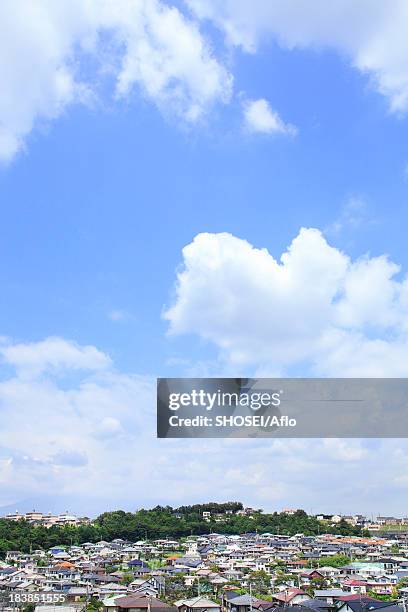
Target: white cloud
<point x="370" y="33"/>
<point x="149" y="46"/>
<point x="52" y="354"/>
<point x="140" y="43"/>
<point x="315" y="308"/>
<point x="65" y="434"/>
<point x="108" y="427"/>
<point x="37" y="72"/>
<point x="259" y="117"/>
<point x="91" y="446"/>
<point x="168" y="57"/>
<point x="55" y="54"/>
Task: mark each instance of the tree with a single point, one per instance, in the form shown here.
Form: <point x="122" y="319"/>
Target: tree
<point x="94" y="605"/>
<point x="127" y="578"/>
<point x="334" y="561"/>
<point x="375" y="595"/>
<point x="282" y="578"/>
<point x="261" y="582"/>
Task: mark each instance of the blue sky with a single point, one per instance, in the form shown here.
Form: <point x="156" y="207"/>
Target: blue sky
<point x="114" y="159"/>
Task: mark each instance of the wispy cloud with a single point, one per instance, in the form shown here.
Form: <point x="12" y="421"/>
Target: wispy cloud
<point x="118" y="315"/>
<point x="354" y="214"/>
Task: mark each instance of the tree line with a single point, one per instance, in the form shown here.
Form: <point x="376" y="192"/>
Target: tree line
<point x="162" y="522"/>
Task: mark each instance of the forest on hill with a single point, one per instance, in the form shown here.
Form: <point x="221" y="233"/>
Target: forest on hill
<point x="164" y="522"/>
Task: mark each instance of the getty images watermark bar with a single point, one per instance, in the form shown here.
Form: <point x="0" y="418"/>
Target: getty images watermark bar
<point x="282" y="407"/>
